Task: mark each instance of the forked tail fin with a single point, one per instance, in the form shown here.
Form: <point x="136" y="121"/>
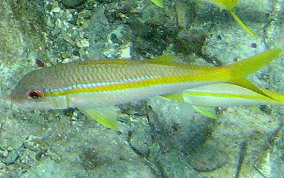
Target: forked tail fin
<point x="240" y="70"/>
<point x="251" y="65"/>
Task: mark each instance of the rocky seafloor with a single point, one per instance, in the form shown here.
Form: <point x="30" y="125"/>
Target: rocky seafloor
<point x="157" y="137"/>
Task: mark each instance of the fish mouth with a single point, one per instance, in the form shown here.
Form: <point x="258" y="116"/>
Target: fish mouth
<point x="15" y="97"/>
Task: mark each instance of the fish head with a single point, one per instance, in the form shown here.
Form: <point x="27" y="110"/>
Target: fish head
<point x="31" y="92"/>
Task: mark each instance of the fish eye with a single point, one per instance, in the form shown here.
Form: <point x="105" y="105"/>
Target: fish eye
<point x="35" y="94"/>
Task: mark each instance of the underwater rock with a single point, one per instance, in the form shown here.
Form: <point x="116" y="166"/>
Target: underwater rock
<point x="72" y="3"/>
<point x="175" y="164"/>
<point x="178" y="125"/>
<point x="245" y="136"/>
<point x="208" y="158"/>
<point x="185" y="13"/>
<point x="189" y="42"/>
<point x="138" y="140"/>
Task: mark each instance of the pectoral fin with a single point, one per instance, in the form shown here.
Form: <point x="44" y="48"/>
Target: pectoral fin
<point x="103" y="115"/>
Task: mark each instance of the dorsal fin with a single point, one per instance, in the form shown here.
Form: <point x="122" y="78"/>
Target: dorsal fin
<point x="165" y="59"/>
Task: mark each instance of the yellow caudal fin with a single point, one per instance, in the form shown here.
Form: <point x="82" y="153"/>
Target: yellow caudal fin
<point x="239" y="71"/>
<point x="249" y="66"/>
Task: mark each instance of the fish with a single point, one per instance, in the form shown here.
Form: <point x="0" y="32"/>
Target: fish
<point x="96" y="87"/>
<point x="229" y="5"/>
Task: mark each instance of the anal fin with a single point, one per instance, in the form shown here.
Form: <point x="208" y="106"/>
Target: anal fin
<point x="106" y="115"/>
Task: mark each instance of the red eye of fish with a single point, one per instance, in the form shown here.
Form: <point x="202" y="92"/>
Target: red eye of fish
<point x="35" y="94"/>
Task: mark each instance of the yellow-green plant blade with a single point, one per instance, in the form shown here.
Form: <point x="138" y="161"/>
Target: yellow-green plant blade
<point x="159" y="3"/>
<point x="227" y="4"/>
<point x="242" y="24"/>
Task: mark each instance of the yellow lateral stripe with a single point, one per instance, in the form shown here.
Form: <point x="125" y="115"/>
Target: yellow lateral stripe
<point x="232" y="96"/>
<point x="135" y="84"/>
<point x="122" y="86"/>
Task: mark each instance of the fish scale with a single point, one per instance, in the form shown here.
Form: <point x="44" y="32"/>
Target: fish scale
<point x="75" y="74"/>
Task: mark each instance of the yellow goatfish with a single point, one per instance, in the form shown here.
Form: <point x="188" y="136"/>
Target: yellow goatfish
<point x="95" y="87"/>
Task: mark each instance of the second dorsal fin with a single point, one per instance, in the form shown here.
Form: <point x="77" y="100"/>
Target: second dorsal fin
<point x="166" y="59"/>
